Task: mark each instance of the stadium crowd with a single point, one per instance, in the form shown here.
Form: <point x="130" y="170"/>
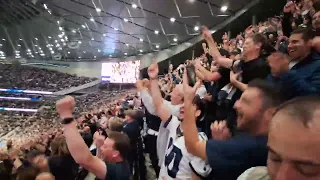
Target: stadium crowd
<point x="31" y="78"/>
<point x="246" y="109"/>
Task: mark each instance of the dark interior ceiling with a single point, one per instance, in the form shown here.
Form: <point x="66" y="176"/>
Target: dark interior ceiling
<point x="94" y="29"/>
<point x="262" y="11"/>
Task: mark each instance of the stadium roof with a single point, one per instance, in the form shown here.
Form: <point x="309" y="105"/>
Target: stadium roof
<point x="95" y="29"/>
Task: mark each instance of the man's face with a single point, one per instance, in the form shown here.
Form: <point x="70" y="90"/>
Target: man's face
<point x="177" y="95"/>
<point x="294" y="149"/>
<point x="249" y="46"/>
<point x="316" y="20"/>
<point x="298" y="48"/>
<point x="248" y="109"/>
<point x="107" y="149"/>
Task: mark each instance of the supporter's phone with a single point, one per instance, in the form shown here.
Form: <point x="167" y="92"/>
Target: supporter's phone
<point x="191" y="75"/>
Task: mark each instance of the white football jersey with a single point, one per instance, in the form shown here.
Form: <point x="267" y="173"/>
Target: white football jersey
<point x="178" y="163"/>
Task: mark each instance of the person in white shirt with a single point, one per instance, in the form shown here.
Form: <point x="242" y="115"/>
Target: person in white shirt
<point x="174" y="108"/>
<point x="178" y="162"/>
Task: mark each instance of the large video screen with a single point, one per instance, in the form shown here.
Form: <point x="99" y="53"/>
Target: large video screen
<point x="121" y="72"/>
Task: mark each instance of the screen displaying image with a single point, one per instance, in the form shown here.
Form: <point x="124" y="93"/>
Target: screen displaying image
<point x="121" y="72"/>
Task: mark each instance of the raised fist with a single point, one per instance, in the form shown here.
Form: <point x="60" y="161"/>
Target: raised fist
<point x="153" y="70"/>
<point x="288" y="7"/>
<point x="206" y="33"/>
<point x="220" y="131"/>
<point x="65" y="106"/>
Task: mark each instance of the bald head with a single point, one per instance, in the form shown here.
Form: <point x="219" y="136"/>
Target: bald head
<point x="177" y="95"/>
<point x="294" y="140"/>
<point x="45" y="176"/>
<point x="302" y="109"/>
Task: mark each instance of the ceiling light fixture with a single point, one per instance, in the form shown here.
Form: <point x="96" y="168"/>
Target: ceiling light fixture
<point x="125" y="53"/>
<point x="83" y="26"/>
<point x="3" y="39"/>
<point x="36" y="39"/>
<point x="156" y="32"/>
<point x="172" y="19"/>
<point x="141" y="40"/>
<point x="141" y="50"/>
<point x="125" y="19"/>
<point x="91" y="19"/>
<point x="19" y="45"/>
<point x="69" y="52"/>
<point x="98" y="9"/>
<point x="49" y="11"/>
<point x="45" y="6"/>
<point x="79" y="42"/>
<point x="104" y="34"/>
<point x="74" y="31"/>
<point x="60" y="28"/>
<point x="116" y="29"/>
<point x="20" y="39"/>
<point x="92" y="39"/>
<point x="224" y="8"/>
<point x="79" y="57"/>
<point x="58" y="22"/>
<point x="134" y="6"/>
<point x="127" y="44"/>
<point x="196" y="28"/>
<point x="35" y="45"/>
<point x="49" y="37"/>
<point x="94" y="57"/>
<point x="175" y="39"/>
<point x="52" y="52"/>
<point x="99" y="50"/>
<point x="157" y="46"/>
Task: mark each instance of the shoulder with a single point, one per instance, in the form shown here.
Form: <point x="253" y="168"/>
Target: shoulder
<point x="118" y="171"/>
<point x="255" y="173"/>
<point x="236" y="148"/>
<point x="172" y="121"/>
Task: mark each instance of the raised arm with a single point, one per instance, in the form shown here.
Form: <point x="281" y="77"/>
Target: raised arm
<point x="204" y="74"/>
<point x="162" y="111"/>
<point x="213" y="50"/>
<point x="76" y="145"/>
<point x="192" y="142"/>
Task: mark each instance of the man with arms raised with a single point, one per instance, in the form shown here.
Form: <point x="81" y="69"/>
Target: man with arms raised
<point x="114" y="150"/>
<point x="229" y="157"/>
<point x="178" y="163"/>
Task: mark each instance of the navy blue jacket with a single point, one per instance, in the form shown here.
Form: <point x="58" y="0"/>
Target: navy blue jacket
<point x="302" y="80"/>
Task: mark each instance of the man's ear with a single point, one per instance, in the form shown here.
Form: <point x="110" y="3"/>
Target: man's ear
<point x="269" y="113"/>
<point x="198" y="112"/>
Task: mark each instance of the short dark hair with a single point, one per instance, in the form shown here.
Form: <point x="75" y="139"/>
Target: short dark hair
<point x="266" y="47"/>
<point x="271" y="94"/>
<point x="302" y="108"/>
<point x="307" y="33"/>
<point x="121" y="143"/>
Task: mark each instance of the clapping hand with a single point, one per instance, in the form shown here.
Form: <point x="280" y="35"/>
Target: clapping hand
<point x="220" y="131"/>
